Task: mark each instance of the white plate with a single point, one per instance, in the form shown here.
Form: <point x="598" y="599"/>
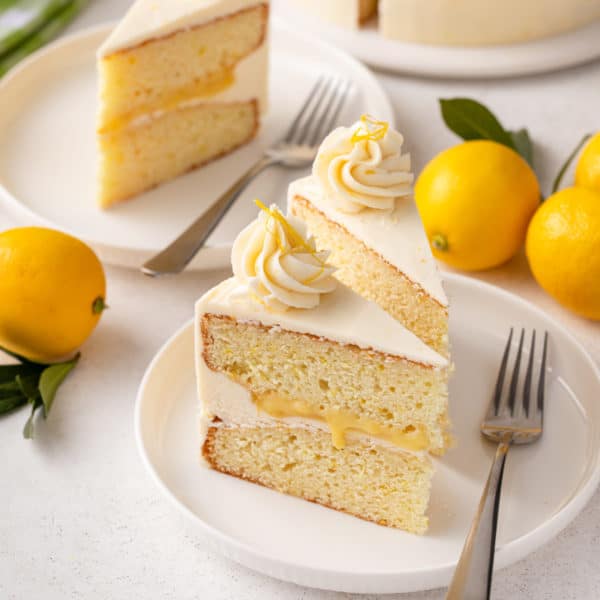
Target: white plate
<point x="48" y="149"/>
<point x="545" y="485"/>
<point x="368" y="45"/>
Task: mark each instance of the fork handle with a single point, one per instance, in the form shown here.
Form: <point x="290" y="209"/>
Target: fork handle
<point x="473" y="576"/>
<point x="177" y="255"/>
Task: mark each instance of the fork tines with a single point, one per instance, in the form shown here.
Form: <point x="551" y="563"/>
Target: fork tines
<point x="319" y="112"/>
<point x="506" y="403"/>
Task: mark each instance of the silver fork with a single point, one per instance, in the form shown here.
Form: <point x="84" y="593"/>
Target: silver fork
<point x="511" y="419"/>
<point x="297" y="149"/>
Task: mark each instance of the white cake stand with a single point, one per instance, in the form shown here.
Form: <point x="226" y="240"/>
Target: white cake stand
<point x="368" y="45"/>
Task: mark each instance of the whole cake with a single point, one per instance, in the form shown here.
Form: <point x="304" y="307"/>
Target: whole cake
<point x="463" y="22"/>
<point x="182" y="82"/>
<point x="357" y="205"/>
<point x="347" y="13"/>
<point x="310" y="389"/>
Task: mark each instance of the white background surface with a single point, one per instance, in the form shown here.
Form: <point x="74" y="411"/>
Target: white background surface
<point x="79" y="518"/>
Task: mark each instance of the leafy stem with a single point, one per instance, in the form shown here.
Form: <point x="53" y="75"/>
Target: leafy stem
<point x="567" y="163"/>
<point x="471" y="120"/>
<point x="31" y="383"/>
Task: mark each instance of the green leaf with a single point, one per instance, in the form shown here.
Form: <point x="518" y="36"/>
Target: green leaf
<point x="20" y="19"/>
<point x="9" y="372"/>
<point x="568" y="162"/>
<point x="9" y="403"/>
<point x="29" y="386"/>
<point x="10" y="388"/>
<point x="522" y="144"/>
<point x="471" y="120"/>
<point x="44" y="34"/>
<point x="28" y="429"/>
<point x="51" y="379"/>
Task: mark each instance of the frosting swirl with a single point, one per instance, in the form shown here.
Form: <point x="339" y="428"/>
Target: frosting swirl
<point x="362" y="166"/>
<point x="278" y="264"/>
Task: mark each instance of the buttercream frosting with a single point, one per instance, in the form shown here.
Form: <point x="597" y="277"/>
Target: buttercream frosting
<point x="276" y="263"/>
<point x="363" y="167"/>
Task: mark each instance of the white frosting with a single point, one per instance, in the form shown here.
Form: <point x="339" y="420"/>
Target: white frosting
<point x="481" y="22"/>
<point x="276" y="263"/>
<point x="342" y="316"/>
<point x="345" y="13"/>
<point x="148" y="19"/>
<point x="397" y="236"/>
<point x="357" y="172"/>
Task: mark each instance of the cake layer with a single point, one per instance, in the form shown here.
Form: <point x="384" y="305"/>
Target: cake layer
<point x="222" y="60"/>
<point x="383" y="257"/>
<point x="481" y="23"/>
<point x="289" y="374"/>
<point x="137" y="158"/>
<point x="152" y="19"/>
<point x="369" y="481"/>
<point x="342" y="316"/>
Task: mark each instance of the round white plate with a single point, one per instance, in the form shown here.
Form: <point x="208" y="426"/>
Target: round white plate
<point x="48" y="149"/>
<point x="368" y="45"/>
<point x="545" y="485"/>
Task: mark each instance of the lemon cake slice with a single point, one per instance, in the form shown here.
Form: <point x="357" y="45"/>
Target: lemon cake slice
<point x="182" y="82"/>
<point x="312" y="390"/>
<point x="357" y="205"/>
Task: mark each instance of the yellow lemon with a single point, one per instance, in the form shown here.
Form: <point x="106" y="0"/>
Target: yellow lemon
<point x="563" y="248"/>
<point x="475" y="200"/>
<point x="587" y="173"/>
<point x="52" y="293"/>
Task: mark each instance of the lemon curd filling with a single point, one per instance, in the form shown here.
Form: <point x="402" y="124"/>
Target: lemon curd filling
<point x="341" y="422"/>
<point x="200" y="90"/>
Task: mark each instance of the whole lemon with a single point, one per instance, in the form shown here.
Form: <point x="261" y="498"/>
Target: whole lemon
<point x="563" y="248"/>
<point x="587" y="173"/>
<point x="475" y="200"/>
<point x="52" y="290"/>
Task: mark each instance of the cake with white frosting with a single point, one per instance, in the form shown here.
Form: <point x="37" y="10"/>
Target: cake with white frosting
<point x="461" y="22"/>
<point x="310" y="389"/>
<point x="182" y="82"/>
<point x="357" y="204"/>
<point x="346" y="13"/>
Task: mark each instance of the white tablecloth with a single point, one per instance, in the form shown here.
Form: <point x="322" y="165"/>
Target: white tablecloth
<point x="80" y="518"/>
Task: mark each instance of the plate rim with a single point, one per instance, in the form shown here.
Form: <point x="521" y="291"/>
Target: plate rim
<point x="383" y="582"/>
<point x="134" y="256"/>
<point x="457" y="66"/>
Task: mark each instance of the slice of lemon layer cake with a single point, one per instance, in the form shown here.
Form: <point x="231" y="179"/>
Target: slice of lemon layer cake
<point x="182" y="82"/>
<point x="310" y="389"/>
<point x="357" y="205"/>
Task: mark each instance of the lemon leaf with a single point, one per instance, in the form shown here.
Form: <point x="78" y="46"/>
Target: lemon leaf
<point x="51" y="379"/>
<point x="28" y="429"/>
<point x="9" y="403"/>
<point x="523" y="145"/>
<point x="471" y="120"/>
<point x="568" y="162"/>
<point x="29" y="386"/>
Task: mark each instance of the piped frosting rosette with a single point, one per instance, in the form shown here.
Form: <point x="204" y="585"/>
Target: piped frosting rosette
<point x="277" y="263"/>
<point x="362" y="167"/>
